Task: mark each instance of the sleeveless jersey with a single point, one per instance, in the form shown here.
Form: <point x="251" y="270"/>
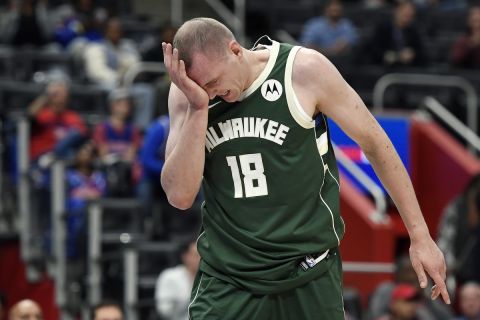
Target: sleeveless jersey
<point x="270" y="183"/>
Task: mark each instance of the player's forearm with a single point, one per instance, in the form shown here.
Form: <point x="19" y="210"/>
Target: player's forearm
<point x="391" y="171"/>
<point x="183" y="169"/>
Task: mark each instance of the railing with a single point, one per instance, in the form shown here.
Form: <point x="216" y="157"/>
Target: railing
<point x="59" y="236"/>
<point x="429" y="80"/>
<point x="176" y="11"/>
<point x="97" y="237"/>
<point x="376" y="192"/>
<point x="131" y="271"/>
<point x="24" y="199"/>
<point x="235" y="20"/>
<point x="456" y="125"/>
<point x="94" y="279"/>
<point x="368" y="267"/>
<point x="130" y="261"/>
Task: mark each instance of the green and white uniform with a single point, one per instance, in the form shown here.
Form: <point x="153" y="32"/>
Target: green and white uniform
<point x="271" y="187"/>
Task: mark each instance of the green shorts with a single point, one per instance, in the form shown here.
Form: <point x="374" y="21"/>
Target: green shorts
<point x="320" y="298"/>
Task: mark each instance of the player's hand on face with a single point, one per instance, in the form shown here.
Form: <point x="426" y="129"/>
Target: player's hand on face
<point x="195" y="94"/>
<point x="426" y="259"/>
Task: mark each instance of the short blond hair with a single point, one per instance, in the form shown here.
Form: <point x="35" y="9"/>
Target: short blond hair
<point x="204" y="35"/>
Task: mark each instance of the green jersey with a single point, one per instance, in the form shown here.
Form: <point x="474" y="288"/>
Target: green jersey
<point x="270" y="182"/>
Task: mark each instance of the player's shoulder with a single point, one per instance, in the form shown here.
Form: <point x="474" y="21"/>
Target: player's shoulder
<point x="311" y="68"/>
<point x="309" y="61"/>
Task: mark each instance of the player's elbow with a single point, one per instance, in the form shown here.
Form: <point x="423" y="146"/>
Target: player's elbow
<point x="178" y="194"/>
<point x="178" y="197"/>
<point x="180" y="201"/>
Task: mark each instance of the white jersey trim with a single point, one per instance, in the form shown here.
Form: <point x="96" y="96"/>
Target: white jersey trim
<point x="195" y="297"/>
<point x="274" y="49"/>
<point x="325" y="169"/>
<point x="296" y="110"/>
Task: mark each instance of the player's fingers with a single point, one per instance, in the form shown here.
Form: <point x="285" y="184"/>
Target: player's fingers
<point x="440" y="288"/>
<point x="182" y="73"/>
<point x="443" y="271"/>
<point x="174" y="64"/>
<point x="445" y="295"/>
<point x="435" y="292"/>
<point x="422" y="277"/>
<point x="167" y="55"/>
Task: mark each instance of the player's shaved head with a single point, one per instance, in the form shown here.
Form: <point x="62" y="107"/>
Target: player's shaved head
<point x="203" y="35"/>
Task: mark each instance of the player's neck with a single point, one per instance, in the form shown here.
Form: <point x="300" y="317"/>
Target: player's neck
<point x="255" y="63"/>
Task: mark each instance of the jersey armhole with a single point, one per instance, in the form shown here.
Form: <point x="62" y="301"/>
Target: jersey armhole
<point x="296" y="109"/>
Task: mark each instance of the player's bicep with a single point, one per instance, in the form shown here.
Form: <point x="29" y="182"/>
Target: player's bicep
<point x="177" y="109"/>
<point x="338" y="101"/>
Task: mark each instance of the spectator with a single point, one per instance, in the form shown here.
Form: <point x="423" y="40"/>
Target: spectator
<point x="91" y="17"/>
<point x="152" y="157"/>
<point x="56" y="131"/>
<point x="118" y="141"/>
<point x="404" y="303"/>
<point x="470" y="301"/>
<point x="108" y="310"/>
<point x="397" y="41"/>
<point x="82" y="19"/>
<point x="84" y="183"/>
<point x="466" y="49"/>
<point x="107" y="62"/>
<point x="155" y="54"/>
<point x="26" y="23"/>
<point x="166" y="220"/>
<point x="405" y="274"/>
<point x="172" y="292"/>
<point x="26" y="310"/>
<point x="331" y="34"/>
<point x="459" y="235"/>
<point x="153" y="151"/>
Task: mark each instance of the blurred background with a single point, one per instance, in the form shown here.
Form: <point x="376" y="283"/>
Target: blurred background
<point x="85" y="228"/>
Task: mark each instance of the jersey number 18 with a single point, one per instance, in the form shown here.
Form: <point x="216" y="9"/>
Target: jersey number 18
<point x="251" y="181"/>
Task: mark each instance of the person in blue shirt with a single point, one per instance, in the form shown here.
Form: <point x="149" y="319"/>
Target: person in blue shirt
<point x="84" y="184"/>
<point x="152" y="158"/>
<point x="331" y="34"/>
<point x="166" y="220"/>
<point x="153" y="151"/>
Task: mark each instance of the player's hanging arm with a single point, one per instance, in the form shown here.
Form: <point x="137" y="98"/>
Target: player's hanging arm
<point x="321" y="82"/>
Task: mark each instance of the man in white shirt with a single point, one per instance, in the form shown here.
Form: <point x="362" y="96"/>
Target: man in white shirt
<point x="172" y="291"/>
<point x="106" y="63"/>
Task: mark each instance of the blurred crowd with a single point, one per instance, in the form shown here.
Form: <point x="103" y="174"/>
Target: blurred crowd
<point x="399" y="38"/>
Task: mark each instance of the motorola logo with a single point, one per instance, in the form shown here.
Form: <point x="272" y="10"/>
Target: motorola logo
<point x="272" y="90"/>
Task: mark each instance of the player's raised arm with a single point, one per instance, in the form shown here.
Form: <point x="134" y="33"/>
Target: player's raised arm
<point x="185" y="153"/>
<point x="318" y="83"/>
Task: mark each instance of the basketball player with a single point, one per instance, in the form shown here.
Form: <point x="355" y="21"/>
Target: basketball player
<point x="251" y="125"/>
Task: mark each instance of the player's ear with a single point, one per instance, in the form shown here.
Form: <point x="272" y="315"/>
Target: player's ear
<point x="235" y="47"/>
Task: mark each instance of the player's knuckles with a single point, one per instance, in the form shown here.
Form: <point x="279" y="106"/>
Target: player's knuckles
<point x="440" y="285"/>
